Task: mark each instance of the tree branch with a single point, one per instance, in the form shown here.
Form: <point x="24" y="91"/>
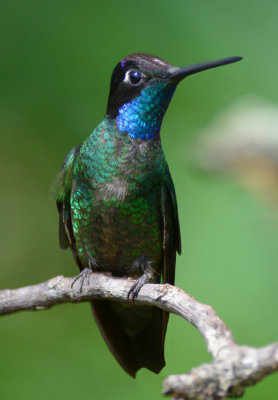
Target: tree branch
<point x="234" y="367"/>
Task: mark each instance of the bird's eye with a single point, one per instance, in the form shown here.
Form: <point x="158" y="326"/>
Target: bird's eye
<point x="133" y="77"/>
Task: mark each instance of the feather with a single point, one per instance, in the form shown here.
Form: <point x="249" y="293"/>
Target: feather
<point x="61" y="191"/>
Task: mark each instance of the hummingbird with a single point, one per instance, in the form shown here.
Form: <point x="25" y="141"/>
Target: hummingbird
<point x="117" y="204"/>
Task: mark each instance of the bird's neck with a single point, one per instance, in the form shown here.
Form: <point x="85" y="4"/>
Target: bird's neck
<point x="141" y="117"/>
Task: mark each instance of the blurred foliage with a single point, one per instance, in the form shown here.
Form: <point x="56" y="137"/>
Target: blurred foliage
<point x="56" y="62"/>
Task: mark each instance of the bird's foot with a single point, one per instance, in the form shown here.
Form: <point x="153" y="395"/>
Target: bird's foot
<point x="83" y="276"/>
<point x="140" y="266"/>
<point x="136" y="287"/>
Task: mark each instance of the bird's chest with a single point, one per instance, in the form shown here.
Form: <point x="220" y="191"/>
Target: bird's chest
<point x="119" y="169"/>
<point x="116" y="203"/>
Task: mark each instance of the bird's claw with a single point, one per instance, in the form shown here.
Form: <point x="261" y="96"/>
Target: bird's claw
<point x="136" y="287"/>
<point x="84" y="275"/>
<point x="133" y="292"/>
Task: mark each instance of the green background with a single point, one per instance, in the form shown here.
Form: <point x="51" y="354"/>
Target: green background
<point x="56" y="62"/>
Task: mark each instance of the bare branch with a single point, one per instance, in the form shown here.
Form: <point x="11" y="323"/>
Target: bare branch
<point x="232" y="370"/>
<point x="234" y="367"/>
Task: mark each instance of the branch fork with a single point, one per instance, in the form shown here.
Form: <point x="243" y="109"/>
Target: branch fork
<point x="233" y="368"/>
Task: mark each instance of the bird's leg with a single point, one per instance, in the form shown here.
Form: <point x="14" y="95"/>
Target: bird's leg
<point x="85" y="273"/>
<point x="140" y="266"/>
<point x="92" y="262"/>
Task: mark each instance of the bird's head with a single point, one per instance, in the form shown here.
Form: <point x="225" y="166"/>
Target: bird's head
<point x="141" y="89"/>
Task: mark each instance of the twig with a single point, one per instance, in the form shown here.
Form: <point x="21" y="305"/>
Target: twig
<point x="234" y="367"/>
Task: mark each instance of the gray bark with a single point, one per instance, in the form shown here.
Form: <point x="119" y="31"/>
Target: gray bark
<point x="233" y="367"/>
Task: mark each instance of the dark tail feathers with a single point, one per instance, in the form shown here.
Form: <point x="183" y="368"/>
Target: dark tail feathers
<point x="135" y="335"/>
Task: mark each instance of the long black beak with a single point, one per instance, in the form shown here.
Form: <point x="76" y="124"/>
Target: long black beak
<point x="182" y="73"/>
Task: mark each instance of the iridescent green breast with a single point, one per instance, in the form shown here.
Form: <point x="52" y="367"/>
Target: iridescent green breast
<point x="115" y="199"/>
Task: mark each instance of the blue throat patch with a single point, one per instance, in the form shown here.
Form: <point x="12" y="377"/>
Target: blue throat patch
<point x="141" y="118"/>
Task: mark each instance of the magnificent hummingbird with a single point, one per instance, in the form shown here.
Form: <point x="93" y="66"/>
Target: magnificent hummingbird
<point x="117" y="204"/>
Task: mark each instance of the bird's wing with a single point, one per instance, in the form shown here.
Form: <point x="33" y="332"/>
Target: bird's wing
<point x="61" y="192"/>
<point x="171" y="229"/>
